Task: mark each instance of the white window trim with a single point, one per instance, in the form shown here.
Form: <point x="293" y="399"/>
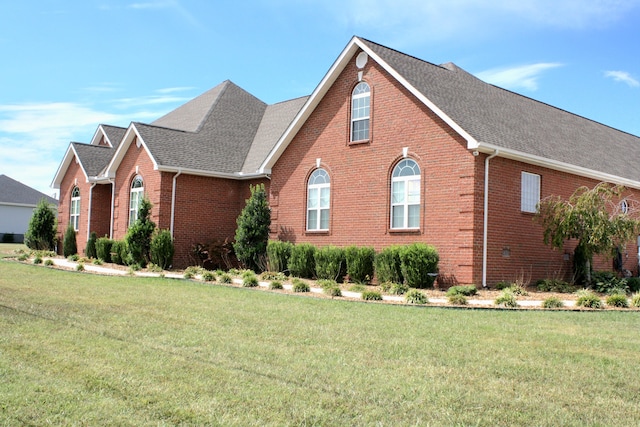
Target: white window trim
<point x="74" y="211"/>
<point x="529" y="192"/>
<point x="318" y="209"/>
<point x="405" y="203"/>
<point x="355" y="120"/>
<point x="139" y="193"/>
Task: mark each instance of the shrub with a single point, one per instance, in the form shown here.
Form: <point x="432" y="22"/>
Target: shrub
<point x="518" y="290"/>
<point x="119" y="252"/>
<point x="414" y="296"/>
<point x="225" y="278"/>
<point x="154" y="268"/>
<point x="552" y="302"/>
<point x="635" y="299"/>
<point x="275" y="285"/>
<point x="457" y="299"/>
<point x="418" y="264"/>
<point x="208" y="276"/>
<point x="249" y="280"/>
<point x="97" y="261"/>
<point x="360" y="263"/>
<point x="398" y="289"/>
<point x="388" y="266"/>
<point x="554" y="285"/>
<point x="300" y="286"/>
<point x="48" y="262"/>
<point x="502" y="285"/>
<point x="191" y="272"/>
<point x="139" y="234"/>
<point x="270" y="275"/>
<point x="41" y="232"/>
<point x="103" y="248"/>
<point x="333" y="290"/>
<point x="607" y="282"/>
<point x="301" y="261"/>
<point x="330" y="263"/>
<point x="462" y="290"/>
<point x="278" y="254"/>
<point x="506" y="299"/>
<point x="634" y="284"/>
<point x="588" y="299"/>
<point x="90" y="250"/>
<point x="252" y="233"/>
<point x="80" y="267"/>
<point x="618" y="300"/>
<point x="371" y="296"/>
<point x="73" y="258"/>
<point x="357" y="287"/>
<point x="162" y="249"/>
<point x="69" y="244"/>
<point x="37" y="260"/>
<point x="23" y="257"/>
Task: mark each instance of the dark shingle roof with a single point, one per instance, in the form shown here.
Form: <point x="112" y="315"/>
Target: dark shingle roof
<point x="14" y="192"/>
<point x="93" y="158"/>
<point x="115" y="134"/>
<point x="511" y="121"/>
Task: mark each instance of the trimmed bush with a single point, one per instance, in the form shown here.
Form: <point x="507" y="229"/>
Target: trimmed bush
<point x="302" y="262"/>
<point x="300" y="286"/>
<point x="588" y="299"/>
<point x="69" y="244"/>
<point x="90" y="250"/>
<point x="388" y="266"/>
<point x="119" y="252"/>
<point x="103" y="248"/>
<point x="414" y="296"/>
<point x="418" y="264"/>
<point x="360" y="263"/>
<point x="462" y="290"/>
<point x="162" y="249"/>
<point x="330" y="263"/>
<point x="278" y="254"/>
<point x="371" y="296"/>
<point x="617" y="300"/>
<point x="552" y="302"/>
<point x="506" y="299"/>
<point x="457" y="299"/>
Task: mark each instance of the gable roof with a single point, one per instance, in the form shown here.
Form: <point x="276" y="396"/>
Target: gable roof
<point x="493" y="119"/>
<point x="16" y="193"/>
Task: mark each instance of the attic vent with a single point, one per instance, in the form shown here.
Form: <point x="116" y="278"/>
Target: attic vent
<point x="361" y="60"/>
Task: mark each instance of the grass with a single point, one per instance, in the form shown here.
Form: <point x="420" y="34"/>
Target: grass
<point x="78" y="349"/>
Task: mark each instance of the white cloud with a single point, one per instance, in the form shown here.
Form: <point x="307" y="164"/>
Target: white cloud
<point x="521" y="77"/>
<point x="623" y="77"/>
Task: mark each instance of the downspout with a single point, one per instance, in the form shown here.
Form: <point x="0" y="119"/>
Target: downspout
<point x="173" y="200"/>
<point x="486" y="218"/>
<point x="89" y="213"/>
<point x="113" y="201"/>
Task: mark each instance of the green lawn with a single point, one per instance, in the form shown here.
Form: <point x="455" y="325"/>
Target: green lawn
<point x="80" y="349"/>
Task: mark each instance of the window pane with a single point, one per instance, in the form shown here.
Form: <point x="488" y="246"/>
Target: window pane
<point x="324" y="197"/>
<point x="413" y="191"/>
<point x="397" y="192"/>
<point x="312" y="200"/>
<point x="312" y="219"/>
<point x="324" y="219"/>
<point x="414" y="216"/>
<point x="397" y="219"/>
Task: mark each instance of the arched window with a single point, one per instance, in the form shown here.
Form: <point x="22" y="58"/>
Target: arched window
<point x="405" y="195"/>
<point x="360" y="111"/>
<point x="137" y="192"/>
<point x="318" y="194"/>
<point x="74" y="217"/>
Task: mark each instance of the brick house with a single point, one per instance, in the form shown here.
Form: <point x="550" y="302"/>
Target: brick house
<point x="388" y="149"/>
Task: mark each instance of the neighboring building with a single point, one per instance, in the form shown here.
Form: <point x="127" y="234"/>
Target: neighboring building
<point x="388" y="149"/>
<point x="17" y="202"/>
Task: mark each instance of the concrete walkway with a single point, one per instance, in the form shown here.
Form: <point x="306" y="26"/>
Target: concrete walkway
<point x="64" y="263"/>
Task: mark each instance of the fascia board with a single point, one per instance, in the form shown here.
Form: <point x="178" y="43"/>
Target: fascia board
<point x="69" y="155"/>
<point x="555" y="165"/>
<point x="210" y="174"/>
<point x="96" y="136"/>
<point x="129" y="136"/>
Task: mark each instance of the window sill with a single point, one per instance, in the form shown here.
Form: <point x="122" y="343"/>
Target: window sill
<point x="317" y="232"/>
<point x="404" y="231"/>
<point x="361" y="142"/>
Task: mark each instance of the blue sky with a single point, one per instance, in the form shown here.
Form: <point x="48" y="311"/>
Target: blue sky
<point x="69" y="66"/>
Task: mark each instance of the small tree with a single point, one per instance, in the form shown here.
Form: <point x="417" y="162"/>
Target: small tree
<point x="90" y="250"/>
<point x="138" y="236"/>
<point x="592" y="216"/>
<point x="69" y="244"/>
<point x="252" y="233"/>
<point x="41" y="232"/>
<point x="162" y="249"/>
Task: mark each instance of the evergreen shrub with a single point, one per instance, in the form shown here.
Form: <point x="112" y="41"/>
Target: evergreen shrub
<point x="162" y="249"/>
<point x="330" y="263"/>
<point x="103" y="248"/>
<point x="278" y="254"/>
<point x="90" y="250"/>
<point x="41" y="232"/>
<point x="252" y="233"/>
<point x="302" y="262"/>
<point x="360" y="263"/>
<point x="69" y="244"/>
<point x="388" y="266"/>
<point x="418" y="264"/>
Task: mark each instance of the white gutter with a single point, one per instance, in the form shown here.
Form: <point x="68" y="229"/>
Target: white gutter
<point x="89" y="213"/>
<point x="198" y="172"/>
<point x="486" y="218"/>
<point x="113" y="198"/>
<point x="173" y="200"/>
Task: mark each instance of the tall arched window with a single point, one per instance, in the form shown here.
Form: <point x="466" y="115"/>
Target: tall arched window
<point x="405" y="195"/>
<point x="318" y="194"/>
<point x="74" y="210"/>
<point x="137" y="192"/>
<point x="360" y="111"/>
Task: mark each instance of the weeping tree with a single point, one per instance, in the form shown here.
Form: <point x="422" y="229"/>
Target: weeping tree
<point x="252" y="233"/>
<point x="594" y="218"/>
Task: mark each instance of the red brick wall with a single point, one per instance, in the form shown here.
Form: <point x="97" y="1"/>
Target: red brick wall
<point x="101" y="210"/>
<point x="73" y="177"/>
<point x="360" y="175"/>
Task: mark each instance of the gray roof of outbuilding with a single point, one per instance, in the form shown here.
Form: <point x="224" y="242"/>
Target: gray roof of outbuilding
<point x="15" y="192"/>
<point x="511" y="121"/>
<point x="94" y="158"/>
